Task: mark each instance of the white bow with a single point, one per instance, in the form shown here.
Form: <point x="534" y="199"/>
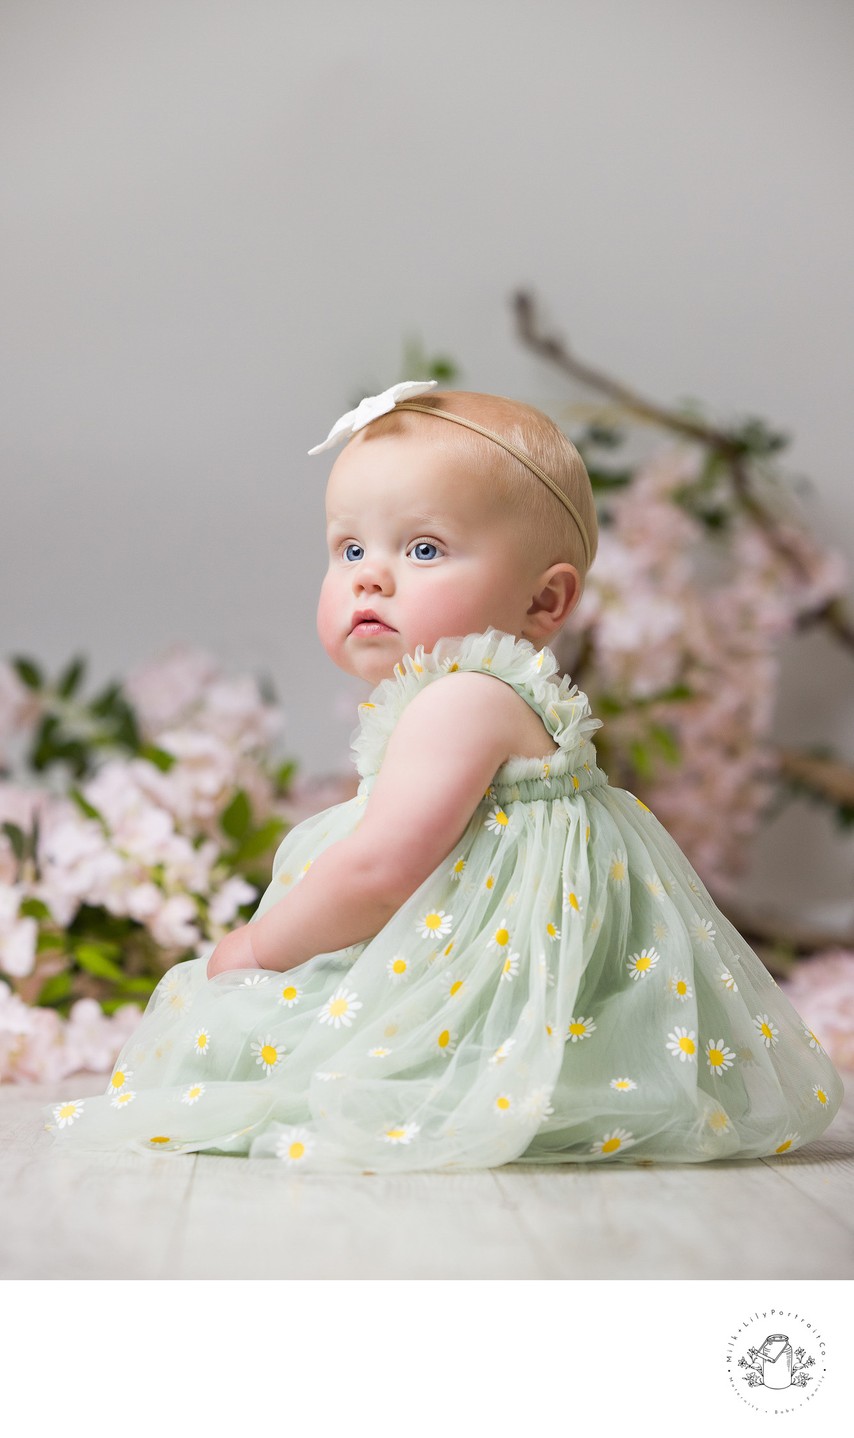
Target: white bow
<point x="371" y="407"/>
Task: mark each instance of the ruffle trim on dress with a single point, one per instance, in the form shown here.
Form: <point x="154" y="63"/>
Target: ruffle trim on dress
<point x="563" y="707"/>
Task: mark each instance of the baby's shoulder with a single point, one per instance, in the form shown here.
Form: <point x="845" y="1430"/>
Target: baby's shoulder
<point x="489" y="705"/>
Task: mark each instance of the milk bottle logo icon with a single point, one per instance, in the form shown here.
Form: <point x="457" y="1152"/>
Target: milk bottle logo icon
<point x="776" y="1356"/>
<point x="776" y="1365"/>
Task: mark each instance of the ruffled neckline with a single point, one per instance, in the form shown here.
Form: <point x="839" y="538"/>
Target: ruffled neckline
<point x="562" y="706"/>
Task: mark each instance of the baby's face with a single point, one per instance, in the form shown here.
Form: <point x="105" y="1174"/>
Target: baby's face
<point x="413" y="536"/>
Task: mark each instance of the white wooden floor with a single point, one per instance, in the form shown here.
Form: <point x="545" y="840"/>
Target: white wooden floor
<point x="65" y="1215"/>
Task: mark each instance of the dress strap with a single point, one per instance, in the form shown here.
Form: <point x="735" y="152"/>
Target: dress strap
<point x="561" y="705"/>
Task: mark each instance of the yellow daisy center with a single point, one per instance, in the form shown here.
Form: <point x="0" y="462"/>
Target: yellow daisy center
<point x="681" y="986"/>
<point x="67" y="1110"/>
<point x="337" y="1007"/>
<point x="118" y="1079"/>
<point x="390" y="1030"/>
<point x="394" y="1132"/>
<point x="490" y="881"/>
<point x="687" y="1045"/>
<point x="551" y="930"/>
<point x="611" y="1145"/>
<point x="289" y="993"/>
<point x="787" y="1143"/>
<point x="716" y="1058"/>
<point x="195" y="1091"/>
<point x="444" y="1039"/>
<point x="455" y="987"/>
<point x="448" y="949"/>
<point x="621" y="1083"/>
<point x="507" y="966"/>
<point x="766" y="1031"/>
<point x="268" y="1054"/>
<point x="578" y="1029"/>
<point x="642" y="962"/>
<point x="821" y="1095"/>
<point x="459" y="866"/>
<point x="573" y="902"/>
<point x="296" y="1150"/>
<point x="500" y="816"/>
<point x="502" y="1102"/>
<point x="501" y="936"/>
<point x="399" y="966"/>
<point x="202" y="1041"/>
<point x="433" y="921"/>
<point x="159" y="1139"/>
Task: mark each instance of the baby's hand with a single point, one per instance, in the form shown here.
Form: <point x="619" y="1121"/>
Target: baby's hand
<point x="232" y="952"/>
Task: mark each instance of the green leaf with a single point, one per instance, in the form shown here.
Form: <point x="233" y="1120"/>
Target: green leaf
<point x="28" y="671"/>
<point x="160" y="758"/>
<point x="88" y="809"/>
<point x="33" y="908"/>
<point x="666" y="741"/>
<point x="68" y="681"/>
<point x="258" y="843"/>
<point x="58" y="986"/>
<point x="236" y="819"/>
<point x="94" y="959"/>
<point x="285" y="773"/>
<point x="641" y="758"/>
<point x="17" y="839"/>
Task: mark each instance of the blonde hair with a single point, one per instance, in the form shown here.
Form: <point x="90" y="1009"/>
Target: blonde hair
<point x="543" y="528"/>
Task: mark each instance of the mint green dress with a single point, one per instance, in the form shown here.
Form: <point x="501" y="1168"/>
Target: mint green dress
<point x="560" y="989"/>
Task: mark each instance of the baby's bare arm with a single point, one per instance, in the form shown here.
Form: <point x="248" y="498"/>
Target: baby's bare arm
<point x="440" y="758"/>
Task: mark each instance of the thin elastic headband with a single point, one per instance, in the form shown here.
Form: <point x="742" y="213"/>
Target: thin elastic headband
<point x="519" y="453"/>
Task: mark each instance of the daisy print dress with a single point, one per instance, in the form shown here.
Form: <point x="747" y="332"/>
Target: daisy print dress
<point x="562" y="988"/>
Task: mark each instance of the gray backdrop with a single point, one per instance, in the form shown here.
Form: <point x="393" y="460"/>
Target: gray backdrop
<point x="221" y="221"/>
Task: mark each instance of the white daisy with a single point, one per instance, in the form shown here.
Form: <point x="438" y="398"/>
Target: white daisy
<point x="453" y="985"/>
<point x="622" y="1085"/>
<point x="767" y="1030"/>
<point x="255" y="979"/>
<point x="820" y="1094"/>
<point x="718" y="1056"/>
<point x="660" y="930"/>
<point x="123" y="1097"/>
<point x="503" y="1103"/>
<point x="679" y="988"/>
<point x="267" y="1053"/>
<point x="718" y="1120"/>
<point x="814" y="1042"/>
<point x="702" y="931"/>
<point x="497" y="822"/>
<point x="458" y="870"/>
<point x="289" y="994"/>
<point x="500" y="937"/>
<point x="682" y="1044"/>
<point x="552" y="931"/>
<point x="791" y="1140"/>
<point x="579" y="1029"/>
<point x="379" y="1052"/>
<point x="326" y="1074"/>
<point x="610" y="1142"/>
<point x="340" y="1008"/>
<point x="617" y="867"/>
<point x="294" y="1144"/>
<point x="653" y="884"/>
<point x="510" y="967"/>
<point x="193" y="1093"/>
<point x="502" y="1051"/>
<point x="400" y="1133"/>
<point x="446" y="1042"/>
<point x="119" y="1079"/>
<point x="728" y="981"/>
<point x="397" y="968"/>
<point x="202" y="1041"/>
<point x="434" y="925"/>
<point x="639" y="965"/>
<point x="537" y="1104"/>
<point x="573" y="901"/>
<point x="66" y="1113"/>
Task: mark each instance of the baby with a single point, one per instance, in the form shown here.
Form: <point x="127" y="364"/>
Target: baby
<point x="492" y="953"/>
<point x="432" y="530"/>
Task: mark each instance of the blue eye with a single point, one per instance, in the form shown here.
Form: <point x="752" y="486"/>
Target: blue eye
<point x="425" y="544"/>
<point x="351" y="546"/>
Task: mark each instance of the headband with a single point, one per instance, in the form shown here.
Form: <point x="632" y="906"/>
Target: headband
<point x="394" y="398"/>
